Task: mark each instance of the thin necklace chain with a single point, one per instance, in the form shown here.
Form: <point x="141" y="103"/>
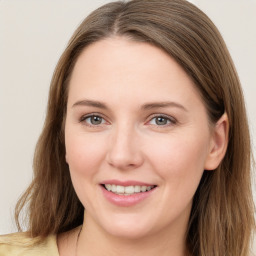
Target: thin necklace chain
<point x="78" y="240"/>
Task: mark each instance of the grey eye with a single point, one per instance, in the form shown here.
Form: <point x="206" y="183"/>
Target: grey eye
<point x="94" y="120"/>
<point x="161" y="120"/>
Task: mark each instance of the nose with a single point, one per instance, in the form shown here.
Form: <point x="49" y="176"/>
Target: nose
<point x="125" y="152"/>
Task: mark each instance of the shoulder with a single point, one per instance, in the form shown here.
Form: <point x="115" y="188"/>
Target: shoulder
<point x="21" y="244"/>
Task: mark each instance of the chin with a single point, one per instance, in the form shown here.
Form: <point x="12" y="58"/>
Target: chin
<point x="129" y="233"/>
<point x="128" y="227"/>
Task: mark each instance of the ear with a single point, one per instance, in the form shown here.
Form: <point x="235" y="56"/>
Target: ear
<point x="218" y="144"/>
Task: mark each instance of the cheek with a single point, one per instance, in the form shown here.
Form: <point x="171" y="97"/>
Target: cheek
<point x="179" y="159"/>
<point x="84" y="152"/>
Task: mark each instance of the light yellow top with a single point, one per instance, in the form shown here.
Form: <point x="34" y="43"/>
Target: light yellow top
<point x="20" y="244"/>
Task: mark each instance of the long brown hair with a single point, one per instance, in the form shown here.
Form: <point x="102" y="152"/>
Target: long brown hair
<point x="222" y="216"/>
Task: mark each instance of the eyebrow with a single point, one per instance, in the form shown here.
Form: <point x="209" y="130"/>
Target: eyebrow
<point x="165" y="104"/>
<point x="90" y="103"/>
<point x="147" y="106"/>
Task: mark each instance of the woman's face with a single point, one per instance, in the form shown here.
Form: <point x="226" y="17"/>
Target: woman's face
<point x="134" y="122"/>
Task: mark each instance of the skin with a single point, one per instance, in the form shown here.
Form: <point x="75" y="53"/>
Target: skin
<point x="129" y="144"/>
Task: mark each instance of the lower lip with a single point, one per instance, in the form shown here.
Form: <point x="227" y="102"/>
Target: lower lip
<point x="126" y="201"/>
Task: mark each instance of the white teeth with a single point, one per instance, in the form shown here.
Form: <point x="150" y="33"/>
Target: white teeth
<point x="119" y="189"/>
<point x="113" y="188"/>
<point x="144" y="188"/>
<point x="108" y="187"/>
<point x="127" y="190"/>
<point x="136" y="189"/>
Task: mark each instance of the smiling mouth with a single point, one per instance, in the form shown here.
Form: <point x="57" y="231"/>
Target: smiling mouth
<point x="127" y="190"/>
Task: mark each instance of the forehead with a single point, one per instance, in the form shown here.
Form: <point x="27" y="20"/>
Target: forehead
<point x="116" y="67"/>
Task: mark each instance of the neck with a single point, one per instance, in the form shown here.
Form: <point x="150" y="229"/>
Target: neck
<point x="96" y="242"/>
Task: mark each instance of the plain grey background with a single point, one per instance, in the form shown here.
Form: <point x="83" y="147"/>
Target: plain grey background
<point x="33" y="35"/>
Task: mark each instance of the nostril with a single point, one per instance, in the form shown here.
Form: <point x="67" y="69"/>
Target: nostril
<point x="123" y="161"/>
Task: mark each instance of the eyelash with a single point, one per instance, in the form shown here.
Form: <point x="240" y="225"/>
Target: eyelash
<point x="170" y="120"/>
<point x="83" y="119"/>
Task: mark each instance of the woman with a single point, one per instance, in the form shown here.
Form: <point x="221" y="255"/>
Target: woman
<point x="145" y="147"/>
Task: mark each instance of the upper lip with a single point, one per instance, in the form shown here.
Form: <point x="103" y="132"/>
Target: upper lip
<point x="126" y="183"/>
